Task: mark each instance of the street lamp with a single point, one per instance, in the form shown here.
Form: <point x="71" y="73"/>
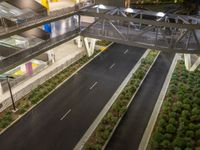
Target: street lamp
<point x="7" y="77"/>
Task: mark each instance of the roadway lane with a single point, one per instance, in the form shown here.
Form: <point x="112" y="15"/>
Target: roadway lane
<point x="60" y="121"/>
<point x="131" y="128"/>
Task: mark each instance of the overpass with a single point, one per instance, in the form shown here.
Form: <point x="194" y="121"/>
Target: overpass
<point x="134" y="27"/>
<point x="155" y="30"/>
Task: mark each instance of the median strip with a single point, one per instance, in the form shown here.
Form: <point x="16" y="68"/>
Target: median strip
<point x="102" y="132"/>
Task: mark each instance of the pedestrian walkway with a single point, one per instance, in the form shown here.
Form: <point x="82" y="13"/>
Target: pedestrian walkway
<point x="65" y="55"/>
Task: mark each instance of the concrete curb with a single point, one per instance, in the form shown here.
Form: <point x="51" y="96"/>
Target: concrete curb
<point x="98" y="119"/>
<point x="20" y="116"/>
<point x="131" y="100"/>
<point x="149" y="129"/>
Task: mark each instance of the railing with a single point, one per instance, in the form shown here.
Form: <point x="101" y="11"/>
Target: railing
<point x="27" y="54"/>
<point x="42" y="17"/>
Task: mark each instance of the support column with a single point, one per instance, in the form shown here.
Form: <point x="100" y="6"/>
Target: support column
<point x="79" y="42"/>
<point x="89" y="45"/>
<point x="195" y="65"/>
<point x="187" y="58"/>
<point x="188" y="62"/>
<point x="127" y="3"/>
<point x="1" y="92"/>
<point x="51" y="56"/>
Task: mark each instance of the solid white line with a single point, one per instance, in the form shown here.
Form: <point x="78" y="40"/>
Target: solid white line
<point x="93" y="85"/>
<point x="112" y="66"/>
<point x="126" y="51"/>
<point x="65" y="114"/>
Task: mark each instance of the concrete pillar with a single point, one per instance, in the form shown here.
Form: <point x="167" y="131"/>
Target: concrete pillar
<point x="89" y="45"/>
<point x="127" y="3"/>
<point x="79" y="42"/>
<point x="195" y="65"/>
<point x="1" y="92"/>
<point x="188" y="62"/>
<point x="51" y="56"/>
<point x="187" y="58"/>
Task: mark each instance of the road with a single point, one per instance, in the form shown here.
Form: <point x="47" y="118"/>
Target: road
<point x="59" y="122"/>
<point x="131" y="128"/>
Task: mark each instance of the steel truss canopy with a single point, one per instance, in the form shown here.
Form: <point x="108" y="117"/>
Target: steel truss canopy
<point x="156" y="30"/>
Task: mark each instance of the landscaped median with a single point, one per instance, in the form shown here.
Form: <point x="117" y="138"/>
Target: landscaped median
<point x="7" y="117"/>
<point x="108" y="124"/>
<point x="178" y="124"/>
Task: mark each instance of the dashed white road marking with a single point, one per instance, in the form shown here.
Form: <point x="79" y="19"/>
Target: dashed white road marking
<point x="93" y="85"/>
<point x="65" y="114"/>
<point x="126" y="51"/>
<point x="112" y="66"/>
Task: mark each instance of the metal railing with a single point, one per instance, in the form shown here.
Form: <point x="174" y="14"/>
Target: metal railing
<point x="169" y="32"/>
<point x="40" y="18"/>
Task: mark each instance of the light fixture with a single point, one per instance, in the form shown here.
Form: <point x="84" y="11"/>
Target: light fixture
<point x="129" y="10"/>
<point x="160" y="14"/>
<point x="100" y="6"/>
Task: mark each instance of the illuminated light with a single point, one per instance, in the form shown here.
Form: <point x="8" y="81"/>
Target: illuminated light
<point x="160" y="14"/>
<point x="129" y="10"/>
<point x="101" y="6"/>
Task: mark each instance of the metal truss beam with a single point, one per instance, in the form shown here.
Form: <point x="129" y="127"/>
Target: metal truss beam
<point x="141" y="21"/>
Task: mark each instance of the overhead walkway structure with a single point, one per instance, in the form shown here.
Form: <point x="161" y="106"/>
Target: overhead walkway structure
<point x="155" y="30"/>
<point x="134" y="27"/>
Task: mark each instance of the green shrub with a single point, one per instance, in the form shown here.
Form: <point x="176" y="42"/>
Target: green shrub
<point x="165" y="144"/>
<point x="179" y="142"/>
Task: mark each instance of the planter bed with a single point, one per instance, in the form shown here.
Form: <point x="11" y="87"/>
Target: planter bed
<point x="178" y="124"/>
<point x="107" y="125"/>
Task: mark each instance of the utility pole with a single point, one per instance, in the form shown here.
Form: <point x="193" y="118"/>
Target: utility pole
<point x="7" y="77"/>
<point x="11" y="94"/>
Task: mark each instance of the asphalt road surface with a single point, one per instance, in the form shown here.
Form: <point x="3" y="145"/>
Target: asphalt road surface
<point x="59" y="122"/>
<point x="131" y="128"/>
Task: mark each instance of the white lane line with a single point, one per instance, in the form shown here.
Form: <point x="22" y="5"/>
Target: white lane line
<point x="126" y="51"/>
<point x="65" y="114"/>
<point x="112" y="66"/>
<point x="93" y="85"/>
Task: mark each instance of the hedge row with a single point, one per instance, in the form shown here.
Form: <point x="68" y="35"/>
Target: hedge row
<point x="36" y="95"/>
<point x="178" y="124"/>
<point x="117" y="110"/>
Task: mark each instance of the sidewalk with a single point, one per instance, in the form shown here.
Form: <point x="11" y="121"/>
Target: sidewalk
<point x="65" y="55"/>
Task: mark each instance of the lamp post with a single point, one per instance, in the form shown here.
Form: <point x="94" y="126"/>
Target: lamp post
<point x="7" y="77"/>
